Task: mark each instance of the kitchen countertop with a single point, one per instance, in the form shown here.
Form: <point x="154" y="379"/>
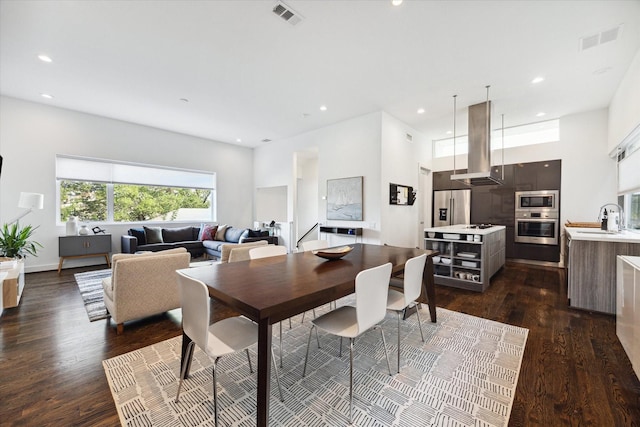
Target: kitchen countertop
<point x="463" y="229"/>
<point x="597" y="235"/>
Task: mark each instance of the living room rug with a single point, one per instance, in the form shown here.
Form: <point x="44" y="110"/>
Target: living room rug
<point x="90" y="285"/>
<point x="465" y="373"/>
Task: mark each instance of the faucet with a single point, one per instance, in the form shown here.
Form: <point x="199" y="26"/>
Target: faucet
<point x="621" y="223"/>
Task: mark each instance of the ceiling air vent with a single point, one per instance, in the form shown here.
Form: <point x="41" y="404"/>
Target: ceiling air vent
<point x="286" y="13"/>
<point x="606" y="36"/>
<point x="266" y="140"/>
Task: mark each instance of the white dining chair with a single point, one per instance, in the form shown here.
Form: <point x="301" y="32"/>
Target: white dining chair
<point x="266" y="252"/>
<point x="219" y="339"/>
<point x="351" y="322"/>
<point x="412" y="284"/>
<point x="312" y="245"/>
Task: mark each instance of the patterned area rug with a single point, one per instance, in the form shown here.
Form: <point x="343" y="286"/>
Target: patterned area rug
<point x="90" y="285"/>
<point x="465" y="374"/>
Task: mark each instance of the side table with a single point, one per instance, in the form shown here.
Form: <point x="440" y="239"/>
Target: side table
<point x="84" y="247"/>
<point x="13" y="285"/>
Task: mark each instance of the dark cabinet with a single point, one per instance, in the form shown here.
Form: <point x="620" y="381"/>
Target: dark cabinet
<point x="442" y="181"/>
<point x="537" y="175"/>
<point x="495" y="204"/>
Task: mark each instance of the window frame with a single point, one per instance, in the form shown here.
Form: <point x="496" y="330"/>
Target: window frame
<point x="207" y="180"/>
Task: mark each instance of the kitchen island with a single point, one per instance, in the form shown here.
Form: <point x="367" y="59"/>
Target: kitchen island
<point x="591" y="265"/>
<point x="469" y="254"/>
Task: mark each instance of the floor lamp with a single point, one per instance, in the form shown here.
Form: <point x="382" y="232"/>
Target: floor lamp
<point x="29" y="201"/>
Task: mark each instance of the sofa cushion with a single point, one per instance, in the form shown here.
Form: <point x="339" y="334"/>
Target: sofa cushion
<point x="234" y="235"/>
<point x="153" y="234"/>
<point x="138" y="233"/>
<point x="155" y="247"/>
<point x="208" y="232"/>
<point x="222" y="229"/>
<point x="182" y="234"/>
<point x="214" y="245"/>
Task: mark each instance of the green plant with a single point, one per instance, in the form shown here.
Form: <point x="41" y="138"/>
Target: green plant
<point x="14" y="241"/>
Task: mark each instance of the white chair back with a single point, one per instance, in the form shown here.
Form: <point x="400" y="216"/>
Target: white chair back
<point x="195" y="309"/>
<point x="267" y="251"/>
<point x="371" y="295"/>
<point x="312" y="245"/>
<point x="413" y="271"/>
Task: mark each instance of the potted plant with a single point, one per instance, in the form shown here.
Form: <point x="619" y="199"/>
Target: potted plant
<point x="15" y="241"/>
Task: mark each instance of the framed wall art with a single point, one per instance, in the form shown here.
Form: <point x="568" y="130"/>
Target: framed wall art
<point x="344" y="199"/>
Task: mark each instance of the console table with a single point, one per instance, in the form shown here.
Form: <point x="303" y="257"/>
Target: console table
<point x="84" y="247"/>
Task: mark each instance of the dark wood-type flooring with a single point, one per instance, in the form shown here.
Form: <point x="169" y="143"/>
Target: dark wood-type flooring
<point x="574" y="370"/>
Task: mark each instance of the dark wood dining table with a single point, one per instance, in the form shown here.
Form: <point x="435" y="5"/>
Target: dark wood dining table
<point x="269" y="290"/>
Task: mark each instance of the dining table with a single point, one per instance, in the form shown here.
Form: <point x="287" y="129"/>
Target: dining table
<point x="269" y="290"/>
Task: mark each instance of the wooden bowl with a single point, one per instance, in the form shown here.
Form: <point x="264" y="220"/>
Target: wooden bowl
<point x="333" y="253"/>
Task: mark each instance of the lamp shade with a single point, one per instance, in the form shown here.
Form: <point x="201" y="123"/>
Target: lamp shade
<point x="31" y="200"/>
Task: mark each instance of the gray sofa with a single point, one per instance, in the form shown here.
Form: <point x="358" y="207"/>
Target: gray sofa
<point x="159" y="239"/>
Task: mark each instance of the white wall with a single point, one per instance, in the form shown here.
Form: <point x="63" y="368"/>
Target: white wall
<point x="32" y="134"/>
<point x="345" y="149"/>
<point x="400" y="165"/>
<point x="624" y="110"/>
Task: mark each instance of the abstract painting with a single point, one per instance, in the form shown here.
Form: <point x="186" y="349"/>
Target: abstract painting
<point x="344" y="199"/>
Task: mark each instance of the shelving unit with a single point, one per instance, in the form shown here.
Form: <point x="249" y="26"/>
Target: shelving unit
<point x="343" y="231"/>
<point x="467" y="260"/>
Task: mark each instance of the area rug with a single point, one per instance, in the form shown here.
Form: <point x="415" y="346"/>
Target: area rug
<point x="90" y="285"/>
<point x="464" y="374"/>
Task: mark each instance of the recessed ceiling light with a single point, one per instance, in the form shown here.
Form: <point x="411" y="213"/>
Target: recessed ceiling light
<point x="540" y="114"/>
<point x="449" y="132"/>
<point x="44" y="58"/>
<point x="420" y="110"/>
<point x="537" y="80"/>
<point x="323" y="108"/>
<point x="46" y="95"/>
<point x="396" y="2"/>
<point x="238" y="140"/>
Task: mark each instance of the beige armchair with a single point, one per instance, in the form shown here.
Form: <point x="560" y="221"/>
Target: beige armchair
<point x="142" y="285"/>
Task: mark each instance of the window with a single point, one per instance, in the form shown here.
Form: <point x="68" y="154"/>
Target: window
<point x="99" y="190"/>
<point x="516" y="136"/>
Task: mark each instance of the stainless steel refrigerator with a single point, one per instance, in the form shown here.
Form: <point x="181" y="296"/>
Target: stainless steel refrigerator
<point x="451" y="207"/>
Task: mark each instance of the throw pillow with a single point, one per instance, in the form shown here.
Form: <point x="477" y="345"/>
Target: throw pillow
<point x="138" y="233"/>
<point x="153" y="234"/>
<point x="222" y="229"/>
<point x="209" y="232"/>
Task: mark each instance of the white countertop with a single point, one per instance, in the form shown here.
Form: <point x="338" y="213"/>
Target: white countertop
<point x="597" y="235"/>
<point x="463" y="229"/>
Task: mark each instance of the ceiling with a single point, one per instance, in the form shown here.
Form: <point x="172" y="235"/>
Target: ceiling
<point x="248" y="74"/>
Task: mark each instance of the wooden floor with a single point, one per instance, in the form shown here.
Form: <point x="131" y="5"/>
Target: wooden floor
<point x="574" y="370"/>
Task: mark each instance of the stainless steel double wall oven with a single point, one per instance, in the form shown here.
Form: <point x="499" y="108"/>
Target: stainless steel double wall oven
<point x="537" y="215"/>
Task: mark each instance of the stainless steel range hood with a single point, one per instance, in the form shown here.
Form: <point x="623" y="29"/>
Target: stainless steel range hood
<point x="479" y="171"/>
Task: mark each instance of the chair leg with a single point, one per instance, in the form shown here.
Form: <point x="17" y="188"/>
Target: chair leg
<point x="289" y="322"/>
<point x="215" y="393"/>
<point x="419" y="321"/>
<point x="350" y="378"/>
<point x="304" y="370"/>
<point x="398" y="341"/>
<point x="249" y="360"/>
<point x="183" y="372"/>
<point x="275" y="366"/>
<point x="384" y="345"/>
<point x="302" y="321"/>
<point x="340" y="352"/>
<point x="317" y="338"/>
<point x="280" y="323"/>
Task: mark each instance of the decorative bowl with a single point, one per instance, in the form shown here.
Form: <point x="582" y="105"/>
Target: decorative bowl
<point x="333" y="253"/>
